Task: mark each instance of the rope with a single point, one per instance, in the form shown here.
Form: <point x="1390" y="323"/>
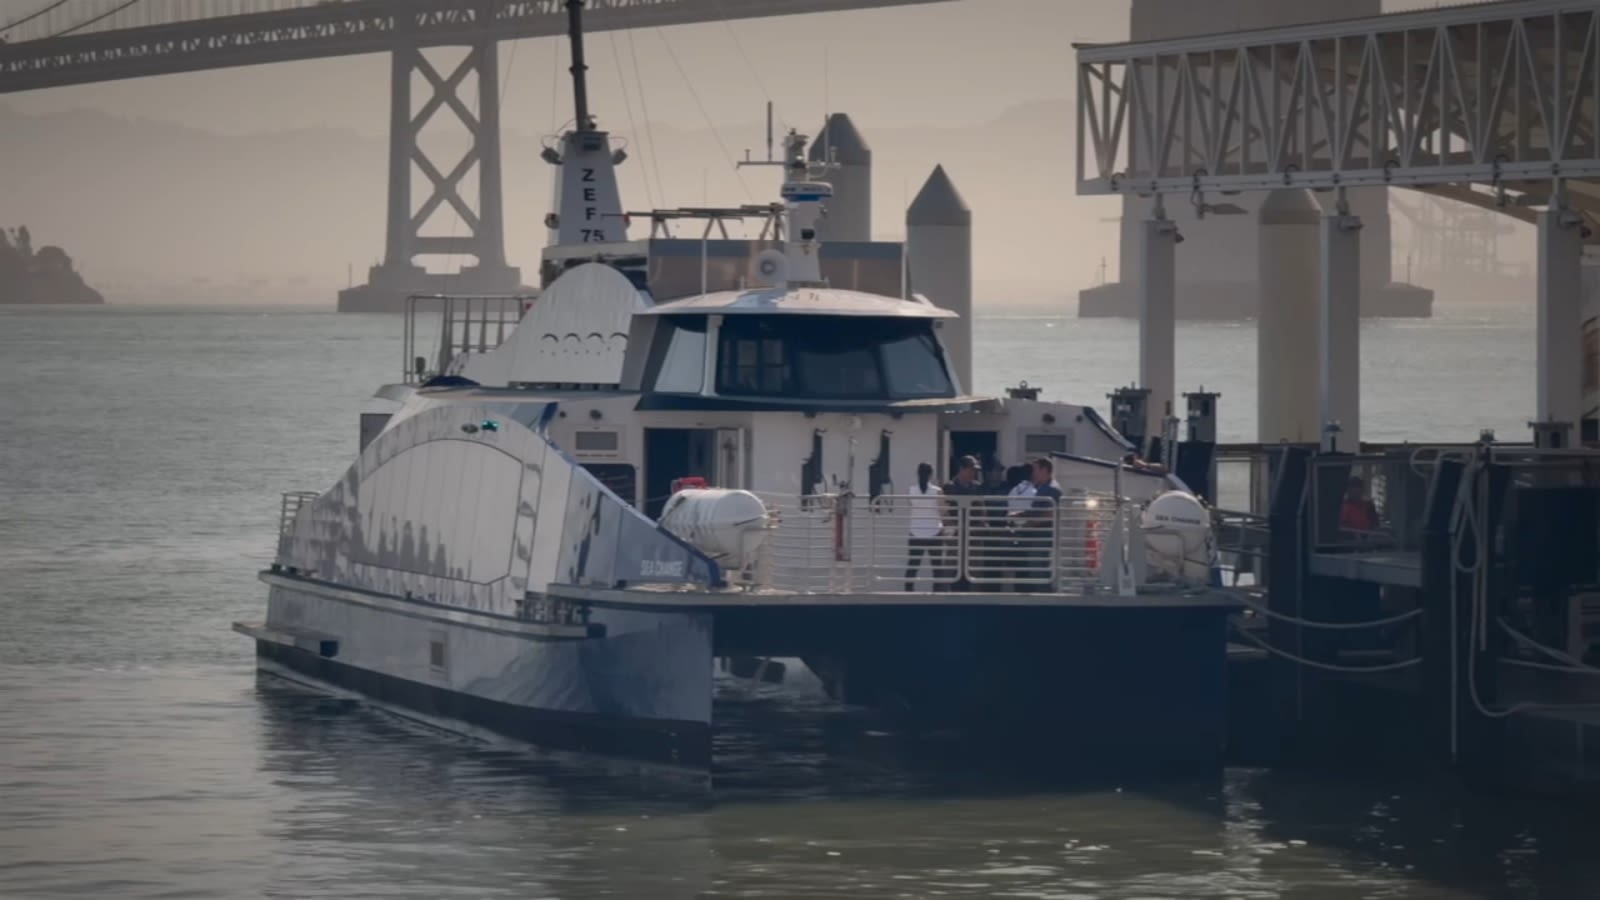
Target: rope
<point x="1547" y="667"/>
<point x="31" y="16"/>
<point x="1328" y="667"/>
<point x="1467" y="513"/>
<point x="671" y="54"/>
<point x="1332" y="626"/>
<point x="1569" y="662"/>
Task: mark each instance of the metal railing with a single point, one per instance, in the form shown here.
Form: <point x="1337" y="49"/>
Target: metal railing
<point x="289" y="508"/>
<point x="292" y="502"/>
<point x="842" y="543"/>
<point x="1242" y="546"/>
<point x="467" y="325"/>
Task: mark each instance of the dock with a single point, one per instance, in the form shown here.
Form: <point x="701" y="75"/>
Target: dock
<point x="1461" y="634"/>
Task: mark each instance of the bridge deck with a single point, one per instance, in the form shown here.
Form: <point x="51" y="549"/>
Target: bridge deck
<point x="1503" y="95"/>
<point x="75" y="44"/>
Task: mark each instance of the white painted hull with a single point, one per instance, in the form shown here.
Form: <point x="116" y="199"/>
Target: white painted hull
<point x="628" y="683"/>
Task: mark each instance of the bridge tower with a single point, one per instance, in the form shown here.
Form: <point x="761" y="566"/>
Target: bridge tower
<point x="444" y="225"/>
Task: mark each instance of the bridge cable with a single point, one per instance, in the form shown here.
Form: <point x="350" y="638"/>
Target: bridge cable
<point x="627" y="103"/>
<point x="100" y="18"/>
<point x="31" y="16"/>
<point x="715" y="133"/>
<point x="644" y="113"/>
<point x="755" y="74"/>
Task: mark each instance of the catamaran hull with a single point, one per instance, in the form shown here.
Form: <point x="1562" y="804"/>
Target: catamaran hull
<point x="627" y="683"/>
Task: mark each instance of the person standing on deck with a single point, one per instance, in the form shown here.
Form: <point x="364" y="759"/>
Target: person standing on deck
<point x="926" y="527"/>
<point x="1038" y="522"/>
<point x="966" y="483"/>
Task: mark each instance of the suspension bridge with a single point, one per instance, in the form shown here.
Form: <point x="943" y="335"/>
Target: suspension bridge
<point x="66" y="42"/>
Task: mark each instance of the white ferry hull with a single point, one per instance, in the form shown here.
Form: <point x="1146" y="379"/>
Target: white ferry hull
<point x="626" y="683"/>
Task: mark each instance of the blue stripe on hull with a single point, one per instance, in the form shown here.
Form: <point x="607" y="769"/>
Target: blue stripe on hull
<point x="655" y="740"/>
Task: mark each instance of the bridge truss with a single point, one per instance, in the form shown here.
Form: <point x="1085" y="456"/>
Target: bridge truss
<point x="1490" y="103"/>
<point x="159" y="37"/>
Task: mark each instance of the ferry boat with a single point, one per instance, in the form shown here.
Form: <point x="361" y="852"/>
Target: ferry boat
<point x="683" y="450"/>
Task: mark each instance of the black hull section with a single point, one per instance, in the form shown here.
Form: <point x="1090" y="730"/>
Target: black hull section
<point x="682" y="743"/>
<point x="1101" y="688"/>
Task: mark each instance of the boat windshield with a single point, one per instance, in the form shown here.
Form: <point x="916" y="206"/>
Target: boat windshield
<point x="826" y="358"/>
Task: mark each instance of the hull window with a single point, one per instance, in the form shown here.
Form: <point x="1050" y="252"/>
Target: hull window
<point x="606" y="442"/>
<point x="1043" y="444"/>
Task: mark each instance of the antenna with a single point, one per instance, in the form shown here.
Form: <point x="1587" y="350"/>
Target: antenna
<point x="580" y="88"/>
<point x="747" y="161"/>
<point x="825" y="108"/>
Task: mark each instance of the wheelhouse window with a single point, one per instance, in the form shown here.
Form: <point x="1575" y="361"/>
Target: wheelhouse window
<point x="830" y="358"/>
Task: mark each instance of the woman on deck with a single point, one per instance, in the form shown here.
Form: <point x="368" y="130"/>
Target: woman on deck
<point x="926" y="527"/>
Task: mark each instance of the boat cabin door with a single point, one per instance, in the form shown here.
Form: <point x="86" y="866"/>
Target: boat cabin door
<point x="733" y="460"/>
<point x="985" y="445"/>
<point x="716" y="454"/>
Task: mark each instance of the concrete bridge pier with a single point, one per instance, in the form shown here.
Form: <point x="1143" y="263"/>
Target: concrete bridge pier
<point x="1157" y="249"/>
<point x="1560" y="326"/>
<point x="1288" y="401"/>
<point x="476" y="230"/>
<point x="1339" y="330"/>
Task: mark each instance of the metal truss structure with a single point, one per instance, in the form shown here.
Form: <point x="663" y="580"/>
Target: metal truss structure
<point x="116" y="39"/>
<point x="1493" y="103"/>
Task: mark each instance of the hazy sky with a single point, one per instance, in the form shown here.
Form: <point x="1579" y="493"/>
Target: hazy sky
<point x="951" y="64"/>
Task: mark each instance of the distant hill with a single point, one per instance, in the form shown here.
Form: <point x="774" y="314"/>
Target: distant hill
<point x="166" y="208"/>
<point x="43" y="276"/>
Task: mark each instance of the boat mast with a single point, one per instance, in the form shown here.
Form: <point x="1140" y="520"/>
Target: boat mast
<point x="588" y="206"/>
<point x="580" y="86"/>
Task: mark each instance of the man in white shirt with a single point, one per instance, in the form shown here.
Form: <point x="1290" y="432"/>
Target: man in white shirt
<point x="926" y="526"/>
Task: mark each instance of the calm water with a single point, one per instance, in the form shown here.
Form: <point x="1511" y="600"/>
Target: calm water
<point x="141" y="457"/>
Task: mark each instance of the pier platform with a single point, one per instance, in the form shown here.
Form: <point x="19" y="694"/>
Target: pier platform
<point x="1458" y="630"/>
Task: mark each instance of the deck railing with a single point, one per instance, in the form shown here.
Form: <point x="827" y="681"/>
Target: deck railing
<point x="842" y="543"/>
<point x="467" y="325"/>
<point x="288" y="509"/>
<point x="292" y="502"/>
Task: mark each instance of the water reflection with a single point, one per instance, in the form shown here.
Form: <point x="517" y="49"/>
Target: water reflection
<point x="809" y="800"/>
<point x="380" y="801"/>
